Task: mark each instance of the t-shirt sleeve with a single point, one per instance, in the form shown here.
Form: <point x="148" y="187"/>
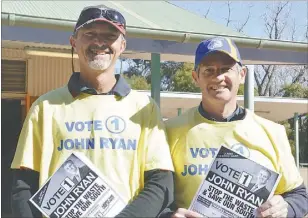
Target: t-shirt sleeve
<point x="290" y="176"/>
<point x="157" y="151"/>
<point x="28" y="151"/>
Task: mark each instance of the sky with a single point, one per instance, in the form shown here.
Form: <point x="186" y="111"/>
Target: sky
<point x="239" y="10"/>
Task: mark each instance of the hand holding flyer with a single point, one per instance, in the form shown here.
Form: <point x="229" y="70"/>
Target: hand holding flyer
<point x="77" y="189"/>
<point x="234" y="186"/>
<point x="274" y="207"/>
<point x="182" y="212"/>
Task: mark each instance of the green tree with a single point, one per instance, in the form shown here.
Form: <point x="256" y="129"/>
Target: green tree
<point x="295" y="90"/>
<point x="242" y="88"/>
<point x="168" y="71"/>
<point x="137" y="82"/>
<point x="303" y="137"/>
<point x="142" y="68"/>
<point x="182" y="81"/>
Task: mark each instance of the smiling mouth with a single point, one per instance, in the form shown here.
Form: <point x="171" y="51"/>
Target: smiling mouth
<point x="100" y="52"/>
<point x="218" y="88"/>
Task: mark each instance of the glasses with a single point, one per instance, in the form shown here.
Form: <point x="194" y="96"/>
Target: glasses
<point x="213" y="70"/>
<point x="94" y="13"/>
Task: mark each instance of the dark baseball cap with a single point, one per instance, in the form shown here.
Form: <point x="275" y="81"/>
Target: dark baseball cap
<point x="101" y="13"/>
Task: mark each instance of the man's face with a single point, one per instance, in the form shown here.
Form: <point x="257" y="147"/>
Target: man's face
<point x="98" y="46"/>
<point x="263" y="177"/>
<point x="70" y="168"/>
<point x="219" y="77"/>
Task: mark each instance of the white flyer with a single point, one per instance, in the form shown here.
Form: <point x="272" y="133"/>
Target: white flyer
<point x="234" y="186"/>
<point x="77" y="189"/>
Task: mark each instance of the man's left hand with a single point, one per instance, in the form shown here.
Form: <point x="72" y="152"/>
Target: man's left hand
<point x="274" y="207"/>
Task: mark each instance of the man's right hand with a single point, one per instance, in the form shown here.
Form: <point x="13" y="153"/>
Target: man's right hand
<point x="182" y="212"/>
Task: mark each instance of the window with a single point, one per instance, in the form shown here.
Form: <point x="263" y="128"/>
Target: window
<point x="13" y="76"/>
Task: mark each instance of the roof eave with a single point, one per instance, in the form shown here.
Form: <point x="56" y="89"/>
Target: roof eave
<point x="9" y="19"/>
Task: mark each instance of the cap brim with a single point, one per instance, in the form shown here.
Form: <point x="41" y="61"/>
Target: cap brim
<point x="121" y="29"/>
<point x="222" y="51"/>
<point x="217" y="50"/>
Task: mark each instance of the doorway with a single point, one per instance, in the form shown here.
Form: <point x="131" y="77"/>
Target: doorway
<point x="11" y="123"/>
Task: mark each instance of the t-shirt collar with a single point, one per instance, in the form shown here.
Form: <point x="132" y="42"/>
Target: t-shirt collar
<point x="76" y="85"/>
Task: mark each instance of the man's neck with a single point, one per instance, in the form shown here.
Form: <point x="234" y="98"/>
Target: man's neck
<point x="219" y="111"/>
<point x="102" y="82"/>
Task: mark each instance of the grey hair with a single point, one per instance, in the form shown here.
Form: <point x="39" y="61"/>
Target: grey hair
<point x="123" y="37"/>
<point x="239" y="68"/>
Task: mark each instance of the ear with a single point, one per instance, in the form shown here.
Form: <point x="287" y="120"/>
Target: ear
<point x="73" y="42"/>
<point x="195" y="78"/>
<point x="123" y="45"/>
<point x="243" y="75"/>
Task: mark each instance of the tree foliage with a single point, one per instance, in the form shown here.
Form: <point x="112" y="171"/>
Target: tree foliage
<point x="303" y="137"/>
<point x="137" y="82"/>
<point x="295" y="90"/>
<point x="168" y="72"/>
<point x="242" y="88"/>
<point x="138" y="67"/>
<point x="183" y="81"/>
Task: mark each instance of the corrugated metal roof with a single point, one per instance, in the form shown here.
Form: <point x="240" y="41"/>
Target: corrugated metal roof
<point x="140" y="14"/>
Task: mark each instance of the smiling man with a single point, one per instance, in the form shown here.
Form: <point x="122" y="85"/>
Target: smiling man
<point x="96" y="113"/>
<point x="195" y="136"/>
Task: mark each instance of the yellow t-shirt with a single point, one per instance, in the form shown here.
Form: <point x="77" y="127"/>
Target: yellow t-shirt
<point x="194" y="141"/>
<point x="122" y="136"/>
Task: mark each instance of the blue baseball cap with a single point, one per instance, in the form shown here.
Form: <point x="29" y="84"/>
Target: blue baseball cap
<point x="220" y="44"/>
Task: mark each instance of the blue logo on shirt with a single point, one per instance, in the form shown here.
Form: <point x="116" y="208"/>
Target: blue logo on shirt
<point x="242" y="149"/>
<point x="115" y="124"/>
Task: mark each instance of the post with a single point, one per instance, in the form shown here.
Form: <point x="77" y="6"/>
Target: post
<point x="296" y="138"/>
<point x="28" y="103"/>
<point x="155" y="77"/>
<point x="249" y="88"/>
<point x="179" y="111"/>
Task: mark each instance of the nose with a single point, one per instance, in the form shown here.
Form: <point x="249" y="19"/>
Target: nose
<point x="100" y="41"/>
<point x="219" y="76"/>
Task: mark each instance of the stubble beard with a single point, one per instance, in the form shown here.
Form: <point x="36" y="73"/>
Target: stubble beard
<point x="99" y="65"/>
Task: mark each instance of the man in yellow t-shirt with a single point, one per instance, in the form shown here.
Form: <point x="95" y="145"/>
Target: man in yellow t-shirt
<point x="97" y="114"/>
<point x="195" y="136"/>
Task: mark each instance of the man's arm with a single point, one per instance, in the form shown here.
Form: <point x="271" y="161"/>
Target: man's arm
<point x="168" y="211"/>
<point x="154" y="198"/>
<point x="297" y="200"/>
<point x="156" y="195"/>
<point x="25" y="184"/>
<point x="291" y="196"/>
<point x="26" y="164"/>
